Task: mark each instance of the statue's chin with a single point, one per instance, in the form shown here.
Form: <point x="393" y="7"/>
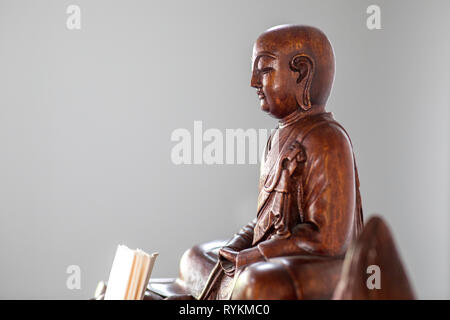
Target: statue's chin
<point x="272" y="115"/>
<point x="265" y="107"/>
<point x="271" y="111"/>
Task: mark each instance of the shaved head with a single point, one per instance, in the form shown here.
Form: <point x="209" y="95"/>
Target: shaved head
<point x="292" y="44"/>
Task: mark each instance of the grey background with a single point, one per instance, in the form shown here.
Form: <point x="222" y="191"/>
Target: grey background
<point x="86" y="118"/>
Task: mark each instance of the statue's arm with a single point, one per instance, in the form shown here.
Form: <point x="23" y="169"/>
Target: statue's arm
<point x="243" y="239"/>
<point x="327" y="201"/>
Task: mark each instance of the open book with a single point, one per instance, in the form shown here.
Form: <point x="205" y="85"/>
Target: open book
<point x="130" y="274"/>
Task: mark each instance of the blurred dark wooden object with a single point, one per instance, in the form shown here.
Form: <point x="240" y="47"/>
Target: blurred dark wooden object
<point x="375" y="247"/>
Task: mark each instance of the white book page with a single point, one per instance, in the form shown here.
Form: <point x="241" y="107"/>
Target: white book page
<point x="138" y="295"/>
<point x="148" y="273"/>
<point x="119" y="276"/>
<point x="134" y="278"/>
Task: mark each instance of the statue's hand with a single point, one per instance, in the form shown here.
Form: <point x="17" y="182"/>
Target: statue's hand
<point x="229" y="254"/>
<point x="248" y="256"/>
<point x="227" y="258"/>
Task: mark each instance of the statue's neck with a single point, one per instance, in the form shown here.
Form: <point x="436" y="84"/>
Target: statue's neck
<point x="299" y="114"/>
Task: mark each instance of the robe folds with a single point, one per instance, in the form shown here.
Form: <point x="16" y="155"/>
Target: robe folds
<point x="308" y="212"/>
<point x="309" y="201"/>
<point x="309" y="207"/>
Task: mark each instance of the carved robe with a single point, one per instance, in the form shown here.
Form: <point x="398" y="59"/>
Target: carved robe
<point x="309" y="211"/>
<point x="309" y="201"/>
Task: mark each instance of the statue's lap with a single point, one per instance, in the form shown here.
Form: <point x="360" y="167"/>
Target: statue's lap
<point x="301" y="277"/>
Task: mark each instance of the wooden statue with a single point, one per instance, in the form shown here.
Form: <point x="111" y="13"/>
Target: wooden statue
<point x="309" y="205"/>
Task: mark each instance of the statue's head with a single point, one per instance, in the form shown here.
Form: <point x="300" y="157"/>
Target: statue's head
<point x="293" y="69"/>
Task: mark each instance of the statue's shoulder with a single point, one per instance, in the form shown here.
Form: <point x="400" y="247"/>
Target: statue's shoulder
<point x="324" y="131"/>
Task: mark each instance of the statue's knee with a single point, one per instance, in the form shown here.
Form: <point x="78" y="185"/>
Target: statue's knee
<point x="264" y="281"/>
<point x="189" y="259"/>
<point x="199" y="259"/>
<point x="189" y="254"/>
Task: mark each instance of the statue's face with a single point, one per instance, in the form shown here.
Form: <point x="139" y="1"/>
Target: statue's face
<point x="274" y="81"/>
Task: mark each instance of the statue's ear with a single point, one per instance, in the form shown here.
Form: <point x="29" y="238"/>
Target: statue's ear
<point x="304" y="65"/>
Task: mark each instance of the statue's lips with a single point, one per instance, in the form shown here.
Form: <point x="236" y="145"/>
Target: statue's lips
<point x="260" y="95"/>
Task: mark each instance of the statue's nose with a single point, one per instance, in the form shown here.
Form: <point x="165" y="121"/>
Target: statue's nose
<point x="254" y="82"/>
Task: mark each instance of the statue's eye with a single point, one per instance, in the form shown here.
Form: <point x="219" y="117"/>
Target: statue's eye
<point x="266" y="70"/>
